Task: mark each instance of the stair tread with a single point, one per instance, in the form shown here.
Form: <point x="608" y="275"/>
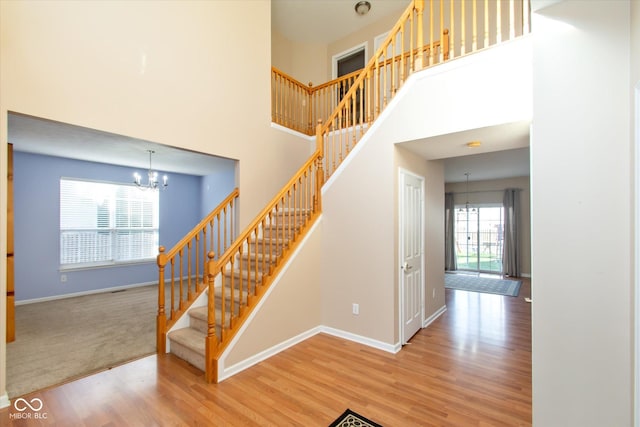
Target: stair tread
<point x="190" y="338"/>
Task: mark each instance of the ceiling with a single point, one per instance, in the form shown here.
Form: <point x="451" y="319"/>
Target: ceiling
<point x="34" y="135"/>
<point x="314" y="21"/>
<point x="503" y="152"/>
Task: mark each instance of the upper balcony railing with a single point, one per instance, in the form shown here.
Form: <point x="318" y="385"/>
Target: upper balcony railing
<point x="428" y="33"/>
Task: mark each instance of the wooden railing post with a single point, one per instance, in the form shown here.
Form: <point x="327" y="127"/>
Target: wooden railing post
<point x="319" y="139"/>
<point x="161" y="320"/>
<point x="419" y="8"/>
<point x="319" y="170"/>
<point x="211" y="344"/>
<point x="310" y="107"/>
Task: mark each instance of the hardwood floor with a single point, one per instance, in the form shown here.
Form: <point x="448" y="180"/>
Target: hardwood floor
<point x="471" y="367"/>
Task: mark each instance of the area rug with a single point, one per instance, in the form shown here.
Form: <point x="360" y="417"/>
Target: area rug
<point x="466" y="282"/>
<point x="352" y="419"/>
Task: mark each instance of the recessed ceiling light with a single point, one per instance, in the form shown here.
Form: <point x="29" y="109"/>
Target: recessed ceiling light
<point x="362" y="7"/>
<point x="474" y="144"/>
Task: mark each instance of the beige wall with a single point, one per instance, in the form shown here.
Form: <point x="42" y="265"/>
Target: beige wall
<point x="163" y="76"/>
<point x="360" y="231"/>
<point x="433" y="174"/>
<point x="365" y="35"/>
<point x="156" y="71"/>
<point x="306" y="62"/>
<point x="492" y="191"/>
<point x="635" y="129"/>
<point x="292" y="307"/>
<point x="582" y="214"/>
<point x="358" y="252"/>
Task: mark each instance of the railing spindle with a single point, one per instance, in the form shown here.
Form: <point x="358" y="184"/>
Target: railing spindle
<point x="161" y="318"/>
<point x="431" y="46"/>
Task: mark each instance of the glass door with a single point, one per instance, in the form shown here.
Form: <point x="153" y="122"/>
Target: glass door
<point x="478" y="232"/>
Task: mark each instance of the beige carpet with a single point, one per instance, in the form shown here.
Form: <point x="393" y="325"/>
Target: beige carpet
<point x="60" y="340"/>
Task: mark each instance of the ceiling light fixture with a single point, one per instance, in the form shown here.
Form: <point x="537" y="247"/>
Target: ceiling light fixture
<point x="466" y="205"/>
<point x="152" y="178"/>
<point x="362" y="7"/>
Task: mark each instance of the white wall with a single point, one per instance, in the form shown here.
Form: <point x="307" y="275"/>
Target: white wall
<point x="487" y="88"/>
<point x="581" y="215"/>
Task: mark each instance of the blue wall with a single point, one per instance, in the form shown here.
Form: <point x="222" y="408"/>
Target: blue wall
<point x="37" y="223"/>
<point x="217" y="186"/>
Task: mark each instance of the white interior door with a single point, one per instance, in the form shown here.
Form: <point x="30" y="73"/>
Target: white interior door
<point x="411" y="254"/>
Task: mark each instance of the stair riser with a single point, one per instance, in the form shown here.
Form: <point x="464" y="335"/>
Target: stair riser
<point x="280" y="232"/>
<point x="270" y="248"/>
<point x="202" y="325"/>
<point x="188" y="354"/>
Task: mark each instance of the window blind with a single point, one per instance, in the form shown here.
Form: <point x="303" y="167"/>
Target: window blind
<point x="104" y="223"/>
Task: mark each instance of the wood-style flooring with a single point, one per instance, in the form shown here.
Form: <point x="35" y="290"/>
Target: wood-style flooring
<point x="471" y="367"/>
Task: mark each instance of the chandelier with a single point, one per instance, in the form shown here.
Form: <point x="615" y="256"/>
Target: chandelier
<point x="152" y="178"/>
<point x="466" y="205"/>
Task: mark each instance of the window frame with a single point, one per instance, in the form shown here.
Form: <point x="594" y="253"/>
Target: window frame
<point x="114" y="231"/>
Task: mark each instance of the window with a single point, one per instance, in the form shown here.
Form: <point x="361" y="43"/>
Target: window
<point x="479" y="238"/>
<point x="103" y="223"/>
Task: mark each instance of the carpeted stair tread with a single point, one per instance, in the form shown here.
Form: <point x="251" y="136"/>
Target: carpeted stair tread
<point x="227" y="293"/>
<point x="189" y="337"/>
<point x="259" y="259"/>
<point x="189" y="344"/>
<point x="244" y="274"/>
<point x="199" y="319"/>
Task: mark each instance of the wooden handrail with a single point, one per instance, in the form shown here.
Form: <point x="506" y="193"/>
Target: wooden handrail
<point x="214" y="233"/>
<point x="287" y="77"/>
<point x="336" y="81"/>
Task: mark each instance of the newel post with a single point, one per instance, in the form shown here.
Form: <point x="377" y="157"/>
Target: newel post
<point x="211" y="344"/>
<point x="161" y="320"/>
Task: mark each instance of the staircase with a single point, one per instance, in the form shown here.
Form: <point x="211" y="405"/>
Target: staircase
<point x="213" y="278"/>
<point x="245" y="277"/>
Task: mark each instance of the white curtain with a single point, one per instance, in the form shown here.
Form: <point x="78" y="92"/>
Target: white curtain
<point x="511" y="249"/>
<point x="450" y="262"/>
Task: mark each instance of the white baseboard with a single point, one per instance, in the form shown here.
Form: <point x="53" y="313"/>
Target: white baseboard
<point x="429" y="320"/>
<point x="527" y="275"/>
<point x="79" y="294"/>
<point x="370" y="342"/>
<point x="4" y="401"/>
<point x="225" y="373"/>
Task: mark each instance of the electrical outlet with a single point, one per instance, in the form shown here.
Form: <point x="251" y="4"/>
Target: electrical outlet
<point x="355" y="308"/>
<point x="63" y="278"/>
